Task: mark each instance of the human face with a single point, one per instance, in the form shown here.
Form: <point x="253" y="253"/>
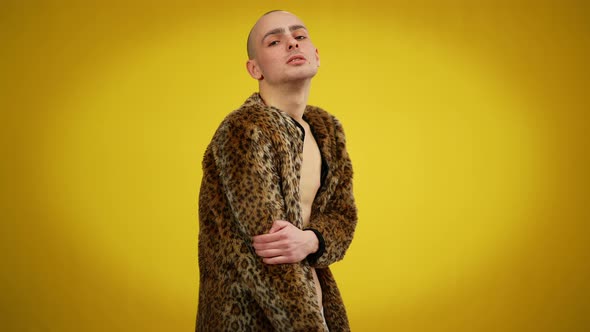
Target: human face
<point x="283" y="51"/>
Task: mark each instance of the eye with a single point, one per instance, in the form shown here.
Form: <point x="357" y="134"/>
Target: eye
<point x="273" y="43"/>
<point x="300" y="37"/>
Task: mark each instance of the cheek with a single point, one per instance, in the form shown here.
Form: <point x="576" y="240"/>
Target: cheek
<point x="269" y="60"/>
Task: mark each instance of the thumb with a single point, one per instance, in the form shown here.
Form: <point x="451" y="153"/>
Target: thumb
<point x="277" y="225"/>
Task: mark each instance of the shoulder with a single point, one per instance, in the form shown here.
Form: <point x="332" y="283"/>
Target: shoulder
<point x="324" y="121"/>
<point x="250" y="121"/>
<point x="318" y="113"/>
<point x="249" y="116"/>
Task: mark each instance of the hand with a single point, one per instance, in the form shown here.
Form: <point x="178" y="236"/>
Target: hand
<point x="285" y="244"/>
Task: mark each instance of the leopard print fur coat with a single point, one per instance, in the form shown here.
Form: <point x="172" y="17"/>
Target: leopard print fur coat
<point x="251" y="178"/>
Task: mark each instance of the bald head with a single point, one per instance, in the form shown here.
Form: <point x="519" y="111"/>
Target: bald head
<point x="274" y="39"/>
<point x="255" y="31"/>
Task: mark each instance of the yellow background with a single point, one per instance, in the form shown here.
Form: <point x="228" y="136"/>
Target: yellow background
<point x="467" y="124"/>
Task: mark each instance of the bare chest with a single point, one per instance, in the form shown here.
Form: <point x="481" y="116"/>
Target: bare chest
<point x="310" y="174"/>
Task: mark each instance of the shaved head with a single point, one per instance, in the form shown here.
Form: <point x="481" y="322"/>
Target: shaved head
<point x="250" y="42"/>
<point x="275" y="38"/>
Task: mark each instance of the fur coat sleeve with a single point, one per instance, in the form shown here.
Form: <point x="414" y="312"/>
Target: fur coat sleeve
<point x="251" y="178"/>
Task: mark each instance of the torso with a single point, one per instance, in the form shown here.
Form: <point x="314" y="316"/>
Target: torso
<point x="311" y="167"/>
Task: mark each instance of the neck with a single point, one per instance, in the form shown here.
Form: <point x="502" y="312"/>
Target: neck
<point x="289" y="98"/>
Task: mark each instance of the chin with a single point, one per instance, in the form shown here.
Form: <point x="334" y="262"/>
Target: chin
<point x="302" y="75"/>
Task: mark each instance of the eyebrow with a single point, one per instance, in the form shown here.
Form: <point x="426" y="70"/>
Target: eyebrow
<point x="282" y="30"/>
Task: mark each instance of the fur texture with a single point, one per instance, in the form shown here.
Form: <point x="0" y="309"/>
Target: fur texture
<point x="251" y="178"/>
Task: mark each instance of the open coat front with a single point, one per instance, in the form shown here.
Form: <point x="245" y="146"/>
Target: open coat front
<point x="251" y="173"/>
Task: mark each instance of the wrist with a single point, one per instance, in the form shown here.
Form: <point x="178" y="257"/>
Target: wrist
<point x="313" y="244"/>
<point x="321" y="246"/>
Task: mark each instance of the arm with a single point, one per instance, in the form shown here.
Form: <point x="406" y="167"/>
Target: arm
<point x="337" y="222"/>
<point x="245" y="160"/>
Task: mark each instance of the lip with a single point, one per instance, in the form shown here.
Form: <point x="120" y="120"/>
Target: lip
<point x="297" y="59"/>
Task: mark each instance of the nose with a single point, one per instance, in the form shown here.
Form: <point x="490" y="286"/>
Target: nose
<point x="293" y="44"/>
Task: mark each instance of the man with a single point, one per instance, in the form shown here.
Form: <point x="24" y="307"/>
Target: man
<point x="276" y="206"/>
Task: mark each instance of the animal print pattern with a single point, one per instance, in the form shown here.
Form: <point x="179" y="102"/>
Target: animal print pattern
<point x="251" y="172"/>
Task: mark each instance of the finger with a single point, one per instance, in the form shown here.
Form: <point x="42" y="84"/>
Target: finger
<point x="277" y="225"/>
<point x="269" y="253"/>
<point x="266" y="238"/>
<point x="278" y="260"/>
<point x="270" y="245"/>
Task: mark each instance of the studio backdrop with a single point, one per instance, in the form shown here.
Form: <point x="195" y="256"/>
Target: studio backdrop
<point x="466" y="121"/>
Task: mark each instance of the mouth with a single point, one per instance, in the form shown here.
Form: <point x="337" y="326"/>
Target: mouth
<point x="297" y="59"/>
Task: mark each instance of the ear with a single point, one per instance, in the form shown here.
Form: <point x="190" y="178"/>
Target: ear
<point x="254" y="70"/>
<point x="317" y="56"/>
